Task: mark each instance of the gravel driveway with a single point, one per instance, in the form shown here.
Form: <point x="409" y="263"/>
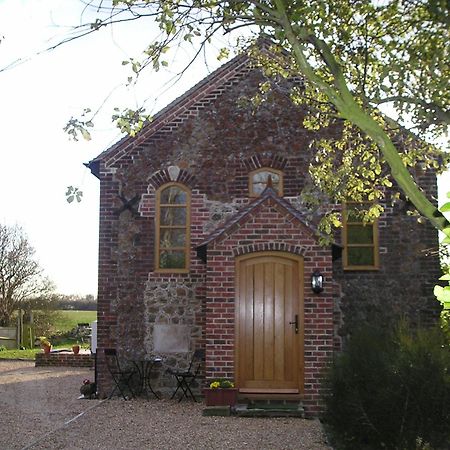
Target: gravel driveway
<point x="40" y="409"/>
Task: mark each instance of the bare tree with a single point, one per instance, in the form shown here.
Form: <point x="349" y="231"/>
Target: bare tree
<point x="21" y="277"/>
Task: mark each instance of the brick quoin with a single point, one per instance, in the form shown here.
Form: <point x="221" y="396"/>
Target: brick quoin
<point x="209" y="141"/>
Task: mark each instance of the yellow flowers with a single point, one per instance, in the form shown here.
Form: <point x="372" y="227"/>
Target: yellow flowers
<point x="44" y="341"/>
<point x="223" y="384"/>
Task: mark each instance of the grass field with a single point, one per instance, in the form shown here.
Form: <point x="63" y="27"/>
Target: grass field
<point x="67" y="321"/>
<point x="19" y="354"/>
<point x="70" y="319"/>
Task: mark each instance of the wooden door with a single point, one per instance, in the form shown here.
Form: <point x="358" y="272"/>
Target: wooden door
<point x="269" y="348"/>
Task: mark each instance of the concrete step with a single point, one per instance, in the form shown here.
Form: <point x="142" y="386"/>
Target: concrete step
<point x="270" y="408"/>
<point x="273" y="403"/>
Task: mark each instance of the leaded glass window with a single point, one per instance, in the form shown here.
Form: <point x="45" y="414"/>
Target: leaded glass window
<point x="172" y="239"/>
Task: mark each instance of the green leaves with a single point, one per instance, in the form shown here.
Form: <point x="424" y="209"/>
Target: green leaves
<point x="445" y="207"/>
<point x="130" y="121"/>
<point x="75" y="127"/>
<point x="443" y="295"/>
<point x="348" y="166"/>
<point x="73" y="193"/>
<point x="223" y="54"/>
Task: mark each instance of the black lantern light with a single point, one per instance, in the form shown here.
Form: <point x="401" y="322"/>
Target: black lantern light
<point x="317" y="282"/>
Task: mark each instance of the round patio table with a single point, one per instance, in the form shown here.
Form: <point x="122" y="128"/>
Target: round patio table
<point x="145" y="369"/>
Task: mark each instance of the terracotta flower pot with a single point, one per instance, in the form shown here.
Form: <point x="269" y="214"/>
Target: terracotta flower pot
<point x="46" y="348"/>
<point x="220" y="396"/>
<point x="76" y="349"/>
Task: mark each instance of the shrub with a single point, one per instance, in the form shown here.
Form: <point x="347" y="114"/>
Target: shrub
<point x="44" y="321"/>
<point x="390" y="390"/>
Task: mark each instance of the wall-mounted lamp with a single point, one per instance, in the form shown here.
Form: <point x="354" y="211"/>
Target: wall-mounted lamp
<point x="317" y="282"/>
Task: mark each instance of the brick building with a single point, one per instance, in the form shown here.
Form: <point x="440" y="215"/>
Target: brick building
<point x="205" y="243"/>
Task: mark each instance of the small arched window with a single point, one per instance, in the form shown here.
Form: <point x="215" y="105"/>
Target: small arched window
<point x="259" y="179"/>
<point x="172" y="228"/>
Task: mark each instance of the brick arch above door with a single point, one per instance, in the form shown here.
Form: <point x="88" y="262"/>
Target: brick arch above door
<point x="270" y="247"/>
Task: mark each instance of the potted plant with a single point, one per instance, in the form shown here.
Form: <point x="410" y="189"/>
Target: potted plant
<point x="221" y="392"/>
<point x="45" y="344"/>
<point x="76" y="348"/>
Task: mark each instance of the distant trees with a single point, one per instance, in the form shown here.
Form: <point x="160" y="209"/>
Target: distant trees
<point x="21" y="277"/>
<point x="77" y="302"/>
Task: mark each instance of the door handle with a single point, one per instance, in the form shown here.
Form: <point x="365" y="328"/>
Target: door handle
<point x="295" y="323"/>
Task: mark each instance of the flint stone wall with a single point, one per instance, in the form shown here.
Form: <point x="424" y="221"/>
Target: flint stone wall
<point x="211" y="147"/>
<point x="173" y="312"/>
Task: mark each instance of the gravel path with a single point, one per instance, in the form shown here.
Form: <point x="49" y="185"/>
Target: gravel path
<point x="40" y="409"/>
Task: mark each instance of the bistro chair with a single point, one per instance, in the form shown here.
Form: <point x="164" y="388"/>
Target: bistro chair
<point x="121" y="377"/>
<point x="185" y="378"/>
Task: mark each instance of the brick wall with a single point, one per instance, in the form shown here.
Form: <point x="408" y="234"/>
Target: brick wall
<point x="269" y="230"/>
<point x="403" y="285"/>
<point x="210" y="143"/>
<point x="64" y="359"/>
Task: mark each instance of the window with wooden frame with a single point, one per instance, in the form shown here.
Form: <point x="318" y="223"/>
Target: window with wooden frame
<point x="360" y="238"/>
<point x="259" y="180"/>
<point x="172" y="228"/>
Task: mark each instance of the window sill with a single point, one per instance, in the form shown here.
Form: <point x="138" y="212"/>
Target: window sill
<point x="175" y="271"/>
<point x="361" y="268"/>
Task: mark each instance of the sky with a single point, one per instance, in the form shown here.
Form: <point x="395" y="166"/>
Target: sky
<point x="37" y="98"/>
<point x="38" y="95"/>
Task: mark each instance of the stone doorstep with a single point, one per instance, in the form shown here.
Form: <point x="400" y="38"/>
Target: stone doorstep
<point x="275" y="404"/>
<point x="253" y="412"/>
<point x="269" y="408"/>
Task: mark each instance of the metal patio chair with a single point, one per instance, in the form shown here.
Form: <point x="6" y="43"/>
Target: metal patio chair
<point x="121" y="377"/>
<point x="185" y="378"/>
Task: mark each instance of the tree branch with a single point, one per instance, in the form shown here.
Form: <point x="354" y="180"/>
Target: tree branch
<point x="351" y="110"/>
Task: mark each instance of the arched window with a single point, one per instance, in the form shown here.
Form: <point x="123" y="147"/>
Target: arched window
<point x="258" y="180"/>
<point x="172" y="228"/>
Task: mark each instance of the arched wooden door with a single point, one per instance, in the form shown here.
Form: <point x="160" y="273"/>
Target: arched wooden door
<point x="269" y="323"/>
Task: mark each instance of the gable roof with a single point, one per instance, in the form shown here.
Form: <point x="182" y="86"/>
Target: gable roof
<point x="269" y="194"/>
<point x="212" y="85"/>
